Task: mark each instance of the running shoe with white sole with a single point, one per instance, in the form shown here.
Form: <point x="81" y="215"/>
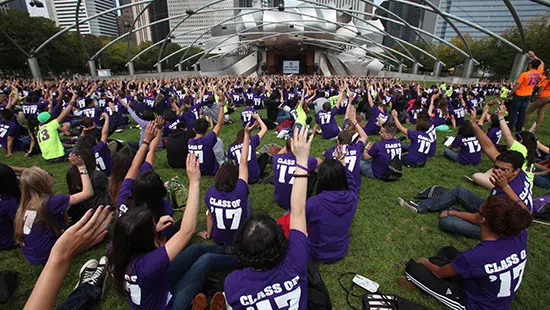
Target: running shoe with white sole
<point x="99" y="278"/>
<point x="87" y="271"/>
<point x="409" y="204"/>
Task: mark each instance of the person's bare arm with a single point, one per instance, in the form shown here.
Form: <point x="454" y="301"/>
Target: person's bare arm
<point x="543" y="148"/>
<point x="263" y="127"/>
<point x="177" y="243"/>
<point x="352" y="117"/>
<point x="105" y="129"/>
<point x="440" y="272"/>
<point x="87" y="189"/>
<point x="150" y="133"/>
<point x="218" y="128"/>
<point x="243" y="167"/>
<point x="67" y="110"/>
<point x="484" y="115"/>
<point x="506" y="133"/>
<point x="498" y="178"/>
<point x="401" y="128"/>
<point x="155" y="142"/>
<point x="87" y="232"/>
<point x="300" y="148"/>
<point x="484" y="141"/>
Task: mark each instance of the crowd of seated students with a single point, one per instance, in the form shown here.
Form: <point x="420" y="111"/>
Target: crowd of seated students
<point x="150" y="257"/>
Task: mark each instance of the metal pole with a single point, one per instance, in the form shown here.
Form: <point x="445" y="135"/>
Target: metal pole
<point x="93" y="70"/>
<point x="520" y="64"/>
<point x="400" y="68"/>
<point x="437" y="69"/>
<point x="180" y="68"/>
<point x="468" y="67"/>
<point x="415" y="68"/>
<point x="131" y="68"/>
<point x="35" y="68"/>
<point x="159" y="68"/>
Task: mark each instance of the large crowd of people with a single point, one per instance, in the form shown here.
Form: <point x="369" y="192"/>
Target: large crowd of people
<point x="149" y="257"/>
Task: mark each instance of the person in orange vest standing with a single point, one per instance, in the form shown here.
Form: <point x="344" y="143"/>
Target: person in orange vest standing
<point x="540" y="99"/>
<point x="523" y="91"/>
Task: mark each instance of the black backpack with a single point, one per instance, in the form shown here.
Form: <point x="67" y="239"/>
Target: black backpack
<point x="8" y="284"/>
<point x="394" y="171"/>
<point x="317" y="293"/>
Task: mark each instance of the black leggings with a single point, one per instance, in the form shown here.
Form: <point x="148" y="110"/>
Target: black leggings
<point x="449" y="291"/>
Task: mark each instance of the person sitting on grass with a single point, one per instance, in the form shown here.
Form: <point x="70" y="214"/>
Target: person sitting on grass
<point x="48" y="135"/>
<point x="378" y="116"/>
<point x="421" y="142"/>
<point x="326" y="118"/>
<point x="268" y="258"/>
<point x="10" y="194"/>
<point x="526" y="145"/>
<point x="152" y="274"/>
<point x="40" y="218"/>
<point x="487" y="276"/>
<point x="208" y="147"/>
<point x="470" y="150"/>
<point x="89" y="141"/>
<point x="377" y="156"/>
<point x="9" y="132"/>
<point x="256" y="166"/>
<point x="228" y="198"/>
<point x="509" y="181"/>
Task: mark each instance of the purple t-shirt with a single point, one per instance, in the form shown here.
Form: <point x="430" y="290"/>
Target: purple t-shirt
<point x="413" y="114"/>
<point x="229" y="211"/>
<point x="472" y="104"/>
<point x="433" y="135"/>
<point x="382" y="153"/>
<point x="246" y="116"/>
<point x="327" y="121"/>
<point x="39" y="238"/>
<point x="92" y="112"/>
<point x="282" y="287"/>
<point x="372" y="127"/>
<point x="493" y="271"/>
<point x="354" y="153"/>
<point x="234" y="153"/>
<point x="284" y="166"/>
<point x="458" y="114"/>
<point x="421" y="143"/>
<point x="494" y="134"/>
<point x="103" y="160"/>
<point x="9" y="129"/>
<point x="470" y="150"/>
<point x="148" y="281"/>
<point x="522" y="187"/>
<point x="8" y="208"/>
<point x="329" y="215"/>
<point x="258" y="101"/>
<point x="439" y="118"/>
<point x="203" y="148"/>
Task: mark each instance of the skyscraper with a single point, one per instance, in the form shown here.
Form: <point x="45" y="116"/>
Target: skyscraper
<point x="14" y="5"/>
<point x="489" y="14"/>
<point x="104" y="25"/>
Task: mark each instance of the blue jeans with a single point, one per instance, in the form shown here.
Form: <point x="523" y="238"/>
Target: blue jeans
<point x="542" y="181"/>
<point x="84" y="297"/>
<point x="189" y="270"/>
<point x="365" y="167"/>
<point x="516" y="116"/>
<point x="450" y="154"/>
<point x="452" y="224"/>
<point x="282" y="116"/>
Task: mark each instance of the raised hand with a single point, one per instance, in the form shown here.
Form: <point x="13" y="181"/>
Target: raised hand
<point x="76" y="160"/>
<point x="301" y="144"/>
<point x="150" y="132"/>
<point x="164" y="222"/>
<point x="193" y="169"/>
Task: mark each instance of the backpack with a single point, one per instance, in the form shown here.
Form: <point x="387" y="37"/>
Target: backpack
<point x="317" y="292"/>
<point x="8" y="284"/>
<point x="177" y="193"/>
<point x="541" y="207"/>
<point x="432" y="191"/>
<point x="394" y="171"/>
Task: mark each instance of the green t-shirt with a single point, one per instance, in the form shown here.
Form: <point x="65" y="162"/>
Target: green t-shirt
<point x="301" y="116"/>
<point x="504" y="92"/>
<point x="332" y="100"/>
<point x="518" y="147"/>
<point x="48" y="140"/>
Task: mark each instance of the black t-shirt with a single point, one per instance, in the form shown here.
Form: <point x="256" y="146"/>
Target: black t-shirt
<point x="176" y="148"/>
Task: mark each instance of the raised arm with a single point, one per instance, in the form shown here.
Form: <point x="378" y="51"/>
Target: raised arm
<point x="484" y="115"/>
<point x="218" y="128"/>
<point x="352" y="117"/>
<point x="67" y="110"/>
<point x="243" y="167"/>
<point x="300" y="147"/>
<point x="432" y="103"/>
<point x="506" y="133"/>
<point x="105" y="129"/>
<point x="177" y="243"/>
<point x="498" y="178"/>
<point x="153" y="147"/>
<point x="87" y="190"/>
<point x="263" y="127"/>
<point x="401" y="128"/>
<point x="532" y="55"/>
<point x="487" y="145"/>
<point x="150" y="133"/>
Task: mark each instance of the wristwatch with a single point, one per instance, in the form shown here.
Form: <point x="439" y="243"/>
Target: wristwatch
<point x="83" y="171"/>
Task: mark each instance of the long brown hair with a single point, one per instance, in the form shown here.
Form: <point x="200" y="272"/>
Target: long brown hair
<point x="35" y="190"/>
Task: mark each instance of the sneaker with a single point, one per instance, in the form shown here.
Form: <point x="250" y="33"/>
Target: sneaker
<point x="119" y="130"/>
<point x="87" y="271"/>
<point x="409" y="204"/>
<point x="199" y="303"/>
<point x="99" y="278"/>
<point x="217" y="302"/>
<point x="467" y="179"/>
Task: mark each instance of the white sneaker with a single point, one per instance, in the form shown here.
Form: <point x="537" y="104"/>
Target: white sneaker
<point x="87" y="271"/>
<point x="99" y="277"/>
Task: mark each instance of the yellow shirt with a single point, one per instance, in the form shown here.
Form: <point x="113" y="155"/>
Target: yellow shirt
<point x="48" y="140"/>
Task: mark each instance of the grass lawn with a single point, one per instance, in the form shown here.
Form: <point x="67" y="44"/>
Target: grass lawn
<point x="383" y="235"/>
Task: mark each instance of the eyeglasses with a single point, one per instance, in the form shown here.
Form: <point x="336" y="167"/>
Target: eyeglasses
<point x="500" y="168"/>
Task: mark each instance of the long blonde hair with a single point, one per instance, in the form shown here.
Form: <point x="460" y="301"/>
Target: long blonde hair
<point x="35" y="190"/>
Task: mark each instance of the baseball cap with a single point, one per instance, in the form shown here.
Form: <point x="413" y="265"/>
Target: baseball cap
<point x="44" y="117"/>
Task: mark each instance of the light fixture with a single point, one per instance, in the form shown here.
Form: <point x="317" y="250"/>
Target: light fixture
<point x="281" y="6"/>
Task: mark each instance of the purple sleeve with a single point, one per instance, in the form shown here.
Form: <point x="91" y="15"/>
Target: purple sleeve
<point x="456" y="142"/>
<point x="351" y="182"/>
<point x="210" y="139"/>
<point x="146" y="166"/>
<point x="360" y="147"/>
<point x="467" y="263"/>
<point x="12" y="210"/>
<point x="153" y="265"/>
<point x="255" y="140"/>
<point x="328" y="154"/>
<point x="317" y="119"/>
<point x="100" y="146"/>
<point x="57" y="204"/>
<point x="373" y="151"/>
<point x="412" y="134"/>
<point x="242" y="187"/>
<point x="136" y="118"/>
<point x="311" y="163"/>
<point x="296" y="253"/>
<point x="126" y="189"/>
<point x="333" y="111"/>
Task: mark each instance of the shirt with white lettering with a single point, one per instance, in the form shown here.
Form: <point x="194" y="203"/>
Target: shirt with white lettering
<point x="203" y="148"/>
<point x="493" y="271"/>
<point x="229" y="211"/>
<point x="282" y="287"/>
<point x="470" y="150"/>
<point x="284" y="166"/>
